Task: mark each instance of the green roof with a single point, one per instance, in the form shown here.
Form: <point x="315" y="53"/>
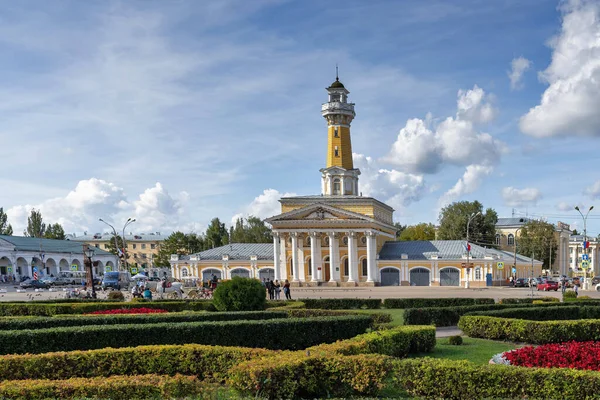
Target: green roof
<point x="23" y="243"/>
<point x="337" y="84"/>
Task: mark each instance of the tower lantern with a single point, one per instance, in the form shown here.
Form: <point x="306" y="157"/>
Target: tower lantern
<point x="339" y="178"/>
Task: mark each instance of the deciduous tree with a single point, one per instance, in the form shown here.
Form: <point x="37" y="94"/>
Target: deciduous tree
<point x="216" y="234"/>
<point x="453" y="222"/>
<point x="35" y="225"/>
<point x="55" y="231"/>
<point x="5" y="227"/>
<point x="537" y="240"/>
<point x="422" y="231"/>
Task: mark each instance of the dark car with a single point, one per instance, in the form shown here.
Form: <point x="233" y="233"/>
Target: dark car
<point x="535" y="281"/>
<point x="521" y="282"/>
<point x="547" y="285"/>
<point x="595" y="280"/>
<point x="34" y="284"/>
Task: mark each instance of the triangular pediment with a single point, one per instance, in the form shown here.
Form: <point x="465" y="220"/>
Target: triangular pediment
<point x="319" y="212"/>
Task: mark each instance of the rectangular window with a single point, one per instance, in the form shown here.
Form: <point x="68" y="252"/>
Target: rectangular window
<point x="143" y="245"/>
<point x="337" y="154"/>
<point x="134" y="246"/>
<point x="97" y="246"/>
<point x="143" y="255"/>
<point x="153" y="246"/>
<point x="335" y="132"/>
<point x="106" y="246"/>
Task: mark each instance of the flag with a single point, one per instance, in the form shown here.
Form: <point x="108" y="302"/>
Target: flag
<point x="467" y="247"/>
<point x="586" y="244"/>
<point x="119" y="253"/>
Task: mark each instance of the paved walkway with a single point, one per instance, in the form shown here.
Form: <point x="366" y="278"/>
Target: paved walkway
<point x="446" y="331"/>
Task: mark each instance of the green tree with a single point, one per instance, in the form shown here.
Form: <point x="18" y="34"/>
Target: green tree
<point x="240" y="294"/>
<point x="252" y="230"/>
<point x="35" y="225"/>
<point x="453" y="222"/>
<point x="422" y="231"/>
<point x="574" y="232"/>
<point x="399" y="229"/>
<point x="178" y="243"/>
<point x="111" y="244"/>
<point x="537" y="240"/>
<point x="55" y="231"/>
<point x="5" y="227"/>
<point x="216" y="234"/>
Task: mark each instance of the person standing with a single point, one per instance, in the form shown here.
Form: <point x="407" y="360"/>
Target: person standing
<point x="271" y="289"/>
<point x="286" y="290"/>
<point x="277" y="290"/>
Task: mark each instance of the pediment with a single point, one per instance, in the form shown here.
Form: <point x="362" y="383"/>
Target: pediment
<point x="319" y="212"/>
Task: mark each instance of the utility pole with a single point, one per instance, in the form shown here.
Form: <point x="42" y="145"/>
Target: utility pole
<point x="515" y="249"/>
<point x="585" y="257"/>
<point x="532" y="277"/>
<point x="469" y="247"/>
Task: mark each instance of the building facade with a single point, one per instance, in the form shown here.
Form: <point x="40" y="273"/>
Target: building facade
<point x="577" y="254"/>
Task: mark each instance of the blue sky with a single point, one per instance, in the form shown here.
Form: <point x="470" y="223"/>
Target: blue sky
<point x="177" y="112"/>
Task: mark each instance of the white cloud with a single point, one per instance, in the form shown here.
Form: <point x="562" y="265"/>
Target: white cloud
<point x="564" y="206"/>
<point x="518" y="66"/>
<point x="263" y="206"/>
<point x="593" y="191"/>
<point x="570" y="105"/>
<point x="468" y="183"/>
<point x="422" y="148"/>
<point x="520" y="197"/>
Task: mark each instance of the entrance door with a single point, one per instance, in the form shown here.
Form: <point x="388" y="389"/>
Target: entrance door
<point x="390" y="277"/>
<point x="241" y="272"/>
<point x="266" y="273"/>
<point x="327" y="268"/>
<point x="419" y="277"/>
<point x="449" y="277"/>
<point x="207" y="274"/>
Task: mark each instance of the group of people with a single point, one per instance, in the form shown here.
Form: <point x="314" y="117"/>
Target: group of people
<point x="142" y="290"/>
<point x="274" y="288"/>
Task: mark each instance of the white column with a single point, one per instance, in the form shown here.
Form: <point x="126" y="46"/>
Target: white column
<point x="352" y="257"/>
<point x="330" y="185"/>
<point x="282" y="258"/>
<point x="294" y="237"/>
<point x="276" y="256"/>
<point x="301" y="269"/>
<point x="370" y="257"/>
<point x="334" y="256"/>
<point x="315" y="257"/>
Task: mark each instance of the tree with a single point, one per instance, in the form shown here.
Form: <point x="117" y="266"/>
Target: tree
<point x="453" y="223"/>
<point x="574" y="232"/>
<point x="178" y="243"/>
<point x="537" y="240"/>
<point x="35" y="225"/>
<point x="422" y="231"/>
<point x="399" y="229"/>
<point x="253" y="230"/>
<point x="240" y="294"/>
<point x="216" y="234"/>
<point x="55" y="231"/>
<point x="111" y="244"/>
<point x="5" y="227"/>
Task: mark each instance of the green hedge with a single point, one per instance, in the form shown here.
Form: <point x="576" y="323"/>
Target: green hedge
<point x="377" y="318"/>
<point x="295" y="333"/>
<point x="534" y="332"/>
<point x="209" y="363"/>
<point x="16" y="323"/>
<point x="436" y="302"/>
<point x="341" y="304"/>
<point x="462" y="380"/>
<point x="50" y="309"/>
<point x="115" y="388"/>
<point x="569" y="312"/>
<point x="528" y="300"/>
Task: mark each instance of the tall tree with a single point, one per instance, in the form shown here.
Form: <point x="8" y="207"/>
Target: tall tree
<point x="422" y="231"/>
<point x="55" y="231"/>
<point x="399" y="229"/>
<point x="178" y="243"/>
<point x="5" y="227"/>
<point x="453" y="222"/>
<point x="252" y="230"/>
<point x="111" y="244"/>
<point x="216" y="234"/>
<point x="574" y="232"/>
<point x="537" y="240"/>
<point x="35" y="225"/>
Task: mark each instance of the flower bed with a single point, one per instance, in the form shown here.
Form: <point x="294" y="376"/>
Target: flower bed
<point x="142" y="310"/>
<point x="576" y="355"/>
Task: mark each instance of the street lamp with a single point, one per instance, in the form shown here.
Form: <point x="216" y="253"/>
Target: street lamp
<point x="88" y="253"/>
<point x="585" y="282"/>
<point x="469" y="247"/>
<point x="129" y="221"/>
<point x="114" y="235"/>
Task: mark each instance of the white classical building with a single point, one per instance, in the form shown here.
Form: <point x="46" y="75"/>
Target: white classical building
<point x="20" y="255"/>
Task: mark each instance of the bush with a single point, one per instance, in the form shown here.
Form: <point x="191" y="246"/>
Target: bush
<point x="272" y="334"/>
<point x="240" y="294"/>
<point x="569" y="294"/>
<point x="567" y="312"/>
<point x="377" y="318"/>
<point x="286" y="304"/>
<point x="545" y="299"/>
<point x="342" y="304"/>
<point x="85" y="307"/>
<point x="18" y="323"/>
<point x="396" y="342"/>
<point x="208" y="363"/>
<point x="115" y="387"/>
<point x="455" y="340"/>
<point x="462" y="380"/>
<point x="293" y="375"/>
<point x="116" y="295"/>
<point x="535" y="332"/>
<point x="437" y="302"/>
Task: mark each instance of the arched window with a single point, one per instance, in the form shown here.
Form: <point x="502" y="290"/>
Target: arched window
<point x="511" y="239"/>
<point x="184" y="272"/>
<point x="336" y="187"/>
<point x="477" y="274"/>
<point x="346" y="269"/>
<point x="364" y="267"/>
<point x="498" y="239"/>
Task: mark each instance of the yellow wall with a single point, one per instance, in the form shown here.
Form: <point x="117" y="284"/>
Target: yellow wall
<point x="344" y="145"/>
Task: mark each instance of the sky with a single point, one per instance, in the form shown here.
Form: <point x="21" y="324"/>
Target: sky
<point x="176" y="112"/>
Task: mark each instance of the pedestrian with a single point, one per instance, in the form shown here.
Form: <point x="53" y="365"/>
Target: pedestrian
<point x="286" y="290"/>
<point x="576" y="289"/>
<point x="563" y="285"/>
<point x="277" y="290"/>
<point x="271" y="289"/>
<point x="147" y="294"/>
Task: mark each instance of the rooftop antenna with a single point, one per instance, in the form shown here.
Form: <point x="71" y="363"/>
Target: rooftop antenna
<point x="336" y="72"/>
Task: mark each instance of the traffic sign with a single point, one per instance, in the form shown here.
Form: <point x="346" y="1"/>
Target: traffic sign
<point x="73" y="267"/>
<point x="108" y="268"/>
<point x="514" y="270"/>
<point x="9" y="269"/>
<point x="585" y="264"/>
<point x="585" y="257"/>
<point x="500" y="265"/>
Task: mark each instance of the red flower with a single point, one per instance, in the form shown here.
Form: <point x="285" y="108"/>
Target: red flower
<point x="142" y="310"/>
<point x="576" y="355"/>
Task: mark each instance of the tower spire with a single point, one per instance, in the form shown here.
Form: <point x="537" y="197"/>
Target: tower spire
<point x="337" y="78"/>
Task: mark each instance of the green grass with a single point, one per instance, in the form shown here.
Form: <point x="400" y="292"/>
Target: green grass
<point x="397" y="314"/>
<point x="479" y="351"/>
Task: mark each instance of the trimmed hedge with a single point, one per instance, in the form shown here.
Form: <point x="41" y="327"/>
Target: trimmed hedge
<point x="209" y="363"/>
<point x="534" y="332"/>
<point x="17" y="323"/>
<point x="436" y="302"/>
<point x="293" y="375"/>
<point x="396" y="342"/>
<point x="377" y="318"/>
<point x="548" y="299"/>
<point x="115" y="387"/>
<point x="569" y="312"/>
<point x="462" y="380"/>
<point x="50" y="309"/>
<point x="341" y="304"/>
<point x="294" y="333"/>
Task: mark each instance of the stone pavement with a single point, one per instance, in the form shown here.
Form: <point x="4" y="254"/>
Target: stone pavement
<point x="446" y="331"/>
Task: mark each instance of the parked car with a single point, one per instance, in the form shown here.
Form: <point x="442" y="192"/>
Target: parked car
<point x="547" y="285"/>
<point x="595" y="280"/>
<point x="49" y="280"/>
<point x="535" y="281"/>
<point x="36" y="284"/>
<point x="521" y="282"/>
<point x="63" y="280"/>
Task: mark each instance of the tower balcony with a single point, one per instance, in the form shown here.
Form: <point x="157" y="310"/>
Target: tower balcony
<point x="337" y="107"/>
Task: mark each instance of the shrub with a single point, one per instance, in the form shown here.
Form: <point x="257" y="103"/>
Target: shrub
<point x="287" y="304"/>
<point x="272" y="334"/>
<point x="455" y="340"/>
<point x="536" y="332"/>
<point x="567" y="312"/>
<point x="537" y="302"/>
<point x="18" y="323"/>
<point x="208" y="363"/>
<point x="462" y="380"/>
<point x="377" y="318"/>
<point x="142" y="310"/>
<point x="116" y="295"/>
<point x="568" y="295"/>
<point x="545" y="299"/>
<point x="240" y="294"/>
<point x="436" y="302"/>
<point x="578" y="355"/>
<point x="83" y="307"/>
<point x="293" y="375"/>
<point x="342" y="304"/>
<point x="115" y="387"/>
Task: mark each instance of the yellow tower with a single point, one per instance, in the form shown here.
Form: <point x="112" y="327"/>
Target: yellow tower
<point x="339" y="177"/>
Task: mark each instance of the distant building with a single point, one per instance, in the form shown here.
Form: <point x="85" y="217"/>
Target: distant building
<point x="576" y="252"/>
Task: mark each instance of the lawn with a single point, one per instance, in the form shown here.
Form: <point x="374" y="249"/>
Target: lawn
<point x="478" y="351"/>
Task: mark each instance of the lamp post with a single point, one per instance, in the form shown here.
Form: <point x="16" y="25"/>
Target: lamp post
<point x="114" y="235"/>
<point x="515" y="250"/>
<point x="585" y="282"/>
<point x="469" y="247"/>
<point x="88" y="253"/>
<point x="129" y="221"/>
